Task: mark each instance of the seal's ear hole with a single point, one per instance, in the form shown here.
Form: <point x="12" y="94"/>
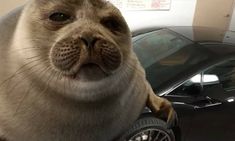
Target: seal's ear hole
<point x="113" y="24"/>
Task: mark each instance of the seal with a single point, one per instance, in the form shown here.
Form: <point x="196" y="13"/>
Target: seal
<point x="68" y="73"/>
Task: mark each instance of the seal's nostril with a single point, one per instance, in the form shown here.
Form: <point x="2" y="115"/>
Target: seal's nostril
<point x="85" y="41"/>
<point x="89" y="41"/>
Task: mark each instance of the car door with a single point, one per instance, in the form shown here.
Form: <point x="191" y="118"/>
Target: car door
<point x="205" y="104"/>
<point x="185" y="99"/>
<point x="214" y="106"/>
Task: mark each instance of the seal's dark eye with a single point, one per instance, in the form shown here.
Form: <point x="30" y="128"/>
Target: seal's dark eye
<point x="112" y="23"/>
<point x="59" y="17"/>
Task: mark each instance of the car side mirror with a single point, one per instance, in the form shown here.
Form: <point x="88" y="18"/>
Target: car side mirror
<point x="194" y="86"/>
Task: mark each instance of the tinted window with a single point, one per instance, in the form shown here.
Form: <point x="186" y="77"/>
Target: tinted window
<point x="225" y="73"/>
<point x="156" y="45"/>
<point x="165" y="55"/>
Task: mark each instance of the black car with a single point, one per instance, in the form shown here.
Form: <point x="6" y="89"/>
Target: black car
<point x="194" y="68"/>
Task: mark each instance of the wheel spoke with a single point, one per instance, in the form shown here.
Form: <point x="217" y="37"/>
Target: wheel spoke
<point x="151" y="135"/>
<point x="163" y="138"/>
<point x="157" y="136"/>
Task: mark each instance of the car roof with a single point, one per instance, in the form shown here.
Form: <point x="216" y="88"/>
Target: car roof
<point x="195" y="33"/>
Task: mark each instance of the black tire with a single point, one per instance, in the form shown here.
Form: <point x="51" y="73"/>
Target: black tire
<point x="149" y="128"/>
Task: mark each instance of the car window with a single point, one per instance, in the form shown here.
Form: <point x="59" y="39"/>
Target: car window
<point x="156" y="45"/>
<point x="217" y="82"/>
<point x="166" y="55"/>
<point x="225" y="73"/>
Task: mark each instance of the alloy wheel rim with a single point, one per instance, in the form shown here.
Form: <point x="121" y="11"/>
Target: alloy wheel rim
<point x="151" y="135"/>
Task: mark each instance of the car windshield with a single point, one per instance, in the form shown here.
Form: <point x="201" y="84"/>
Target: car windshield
<point x="165" y="54"/>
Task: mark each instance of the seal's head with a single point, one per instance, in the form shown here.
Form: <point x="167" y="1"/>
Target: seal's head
<point x="91" y="37"/>
<point x="81" y="40"/>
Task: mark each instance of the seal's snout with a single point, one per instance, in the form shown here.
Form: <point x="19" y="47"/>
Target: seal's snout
<point x="82" y="52"/>
<point x="66" y="53"/>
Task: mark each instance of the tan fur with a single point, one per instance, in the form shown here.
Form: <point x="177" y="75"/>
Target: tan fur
<point x="37" y="101"/>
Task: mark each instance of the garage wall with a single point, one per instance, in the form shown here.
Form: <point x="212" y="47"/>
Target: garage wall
<point x="181" y="13"/>
<point x="7" y="5"/>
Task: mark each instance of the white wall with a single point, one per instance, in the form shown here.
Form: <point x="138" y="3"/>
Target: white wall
<point x="8" y="5"/>
<point x="181" y="13"/>
<point x="232" y="24"/>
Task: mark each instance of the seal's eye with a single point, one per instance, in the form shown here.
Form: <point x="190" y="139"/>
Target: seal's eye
<point x="59" y="17"/>
<point x="112" y="23"/>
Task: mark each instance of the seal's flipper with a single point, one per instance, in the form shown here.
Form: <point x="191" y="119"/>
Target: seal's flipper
<point x="162" y="108"/>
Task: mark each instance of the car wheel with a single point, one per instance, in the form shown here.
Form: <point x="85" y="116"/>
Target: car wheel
<point x="149" y="128"/>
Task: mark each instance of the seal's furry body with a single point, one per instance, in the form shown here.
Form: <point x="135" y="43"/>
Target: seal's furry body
<point x="35" y="106"/>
